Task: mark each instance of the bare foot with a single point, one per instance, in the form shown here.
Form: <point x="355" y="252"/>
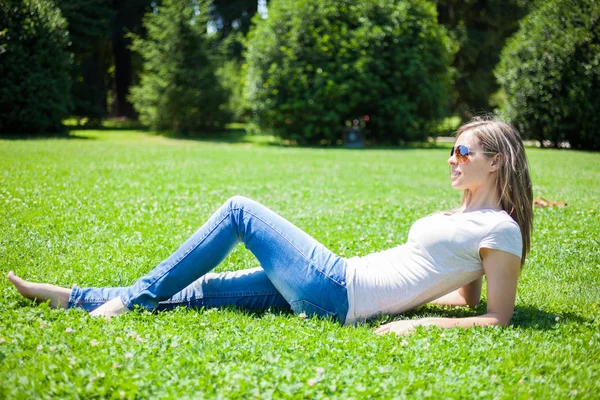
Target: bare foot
<point x="41" y="292"/>
<point x="110" y="309"/>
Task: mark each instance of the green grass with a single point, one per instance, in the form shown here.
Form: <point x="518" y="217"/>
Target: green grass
<point x="105" y="207"/>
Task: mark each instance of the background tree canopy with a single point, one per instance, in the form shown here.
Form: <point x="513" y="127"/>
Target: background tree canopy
<point x="303" y="70"/>
<point x="550" y="72"/>
<point x="178" y="88"/>
<point x="34" y="67"/>
<point x="479" y="30"/>
<point x="89" y="25"/>
<point x="315" y="66"/>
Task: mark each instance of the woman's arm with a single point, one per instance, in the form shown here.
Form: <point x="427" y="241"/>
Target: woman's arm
<point x="502" y="273"/>
<point x="468" y="295"/>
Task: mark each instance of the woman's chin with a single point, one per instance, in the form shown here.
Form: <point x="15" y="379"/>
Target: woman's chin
<point x="456" y="185"/>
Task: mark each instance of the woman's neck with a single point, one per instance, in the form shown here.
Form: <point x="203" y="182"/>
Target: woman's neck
<point x="482" y="199"/>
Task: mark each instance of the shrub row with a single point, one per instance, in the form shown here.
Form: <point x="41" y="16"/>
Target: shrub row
<point x="315" y="68"/>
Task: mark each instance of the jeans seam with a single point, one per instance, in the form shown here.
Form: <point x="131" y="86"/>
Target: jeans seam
<point x="180" y="259"/>
<point x="128" y="303"/>
<point x="237" y="294"/>
<point x="72" y="296"/>
<point x="217" y="296"/>
<point x="91" y="301"/>
<point x="314" y="305"/>
<point x="333" y="314"/>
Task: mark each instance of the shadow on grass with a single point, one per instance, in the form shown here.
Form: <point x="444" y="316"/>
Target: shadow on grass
<point x="71" y="127"/>
<point x="524" y="317"/>
<point x="414" y="146"/>
<point x="44" y="136"/>
<point x="238" y="135"/>
<point x="226" y="136"/>
<point x="534" y="318"/>
<point x="111" y="124"/>
<point x="111" y="127"/>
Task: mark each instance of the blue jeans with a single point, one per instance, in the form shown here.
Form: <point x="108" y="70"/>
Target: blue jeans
<point x="295" y="270"/>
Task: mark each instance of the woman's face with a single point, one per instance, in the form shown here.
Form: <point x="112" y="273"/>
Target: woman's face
<point x="477" y="171"/>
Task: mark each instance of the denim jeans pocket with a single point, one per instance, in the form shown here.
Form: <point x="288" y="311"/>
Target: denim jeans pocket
<point x="310" y="309"/>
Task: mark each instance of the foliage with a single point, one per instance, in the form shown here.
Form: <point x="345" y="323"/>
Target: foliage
<point x="232" y="19"/>
<point x="89" y="24"/>
<point x="128" y="20"/>
<point x="479" y="28"/>
<point x="104" y="68"/>
<point x="34" y="67"/>
<point x="550" y="72"/>
<point x="230" y="75"/>
<point x="132" y="200"/>
<point x="314" y="67"/>
<point x="178" y="89"/>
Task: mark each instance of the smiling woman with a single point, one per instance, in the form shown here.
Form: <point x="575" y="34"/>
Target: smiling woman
<point x="443" y="261"/>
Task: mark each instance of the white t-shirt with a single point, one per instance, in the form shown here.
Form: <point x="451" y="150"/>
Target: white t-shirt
<point x="441" y="255"/>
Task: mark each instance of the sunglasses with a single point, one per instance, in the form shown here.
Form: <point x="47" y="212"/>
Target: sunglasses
<point x="462" y="153"/>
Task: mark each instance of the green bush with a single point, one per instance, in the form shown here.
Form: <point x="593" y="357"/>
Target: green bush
<point x="314" y="66"/>
<point x="34" y="67"/>
<point x="550" y="71"/>
<point x="230" y="76"/>
<point x="179" y="89"/>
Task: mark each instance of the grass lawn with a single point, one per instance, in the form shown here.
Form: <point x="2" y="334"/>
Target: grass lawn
<point x="106" y="206"/>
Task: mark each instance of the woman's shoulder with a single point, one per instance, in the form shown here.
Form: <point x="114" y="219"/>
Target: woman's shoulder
<point x="485" y="218"/>
<point x="498" y="220"/>
<point x="487" y="214"/>
<point x="502" y="217"/>
<point x="503" y="231"/>
<point x="492" y="222"/>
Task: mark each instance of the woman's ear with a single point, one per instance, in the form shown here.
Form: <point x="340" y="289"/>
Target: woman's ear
<point x="497" y="162"/>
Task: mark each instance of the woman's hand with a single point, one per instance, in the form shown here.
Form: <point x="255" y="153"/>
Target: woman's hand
<point x="403" y="327"/>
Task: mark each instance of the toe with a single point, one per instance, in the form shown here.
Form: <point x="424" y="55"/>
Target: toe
<point x="15" y="279"/>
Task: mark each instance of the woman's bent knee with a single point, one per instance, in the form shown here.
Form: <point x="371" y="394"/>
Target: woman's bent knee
<point x="238" y="201"/>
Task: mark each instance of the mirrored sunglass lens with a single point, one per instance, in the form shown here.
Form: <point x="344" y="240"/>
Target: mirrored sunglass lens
<point x="463" y="151"/>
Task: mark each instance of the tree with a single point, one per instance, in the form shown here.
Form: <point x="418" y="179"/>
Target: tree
<point x="89" y="33"/>
<point x="34" y="67"/>
<point x="128" y="16"/>
<point x="178" y="89"/>
<point x="480" y="29"/>
<point x="230" y="15"/>
<point x="232" y="20"/>
<point x="550" y="71"/>
<point x="316" y="66"/>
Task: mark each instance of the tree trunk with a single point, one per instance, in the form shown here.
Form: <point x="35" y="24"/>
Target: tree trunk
<point x="122" y="59"/>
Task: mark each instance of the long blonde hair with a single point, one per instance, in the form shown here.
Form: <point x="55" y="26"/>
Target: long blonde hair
<point x="512" y="180"/>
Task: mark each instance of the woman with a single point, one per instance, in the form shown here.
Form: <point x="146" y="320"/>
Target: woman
<point x="443" y="261"/>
